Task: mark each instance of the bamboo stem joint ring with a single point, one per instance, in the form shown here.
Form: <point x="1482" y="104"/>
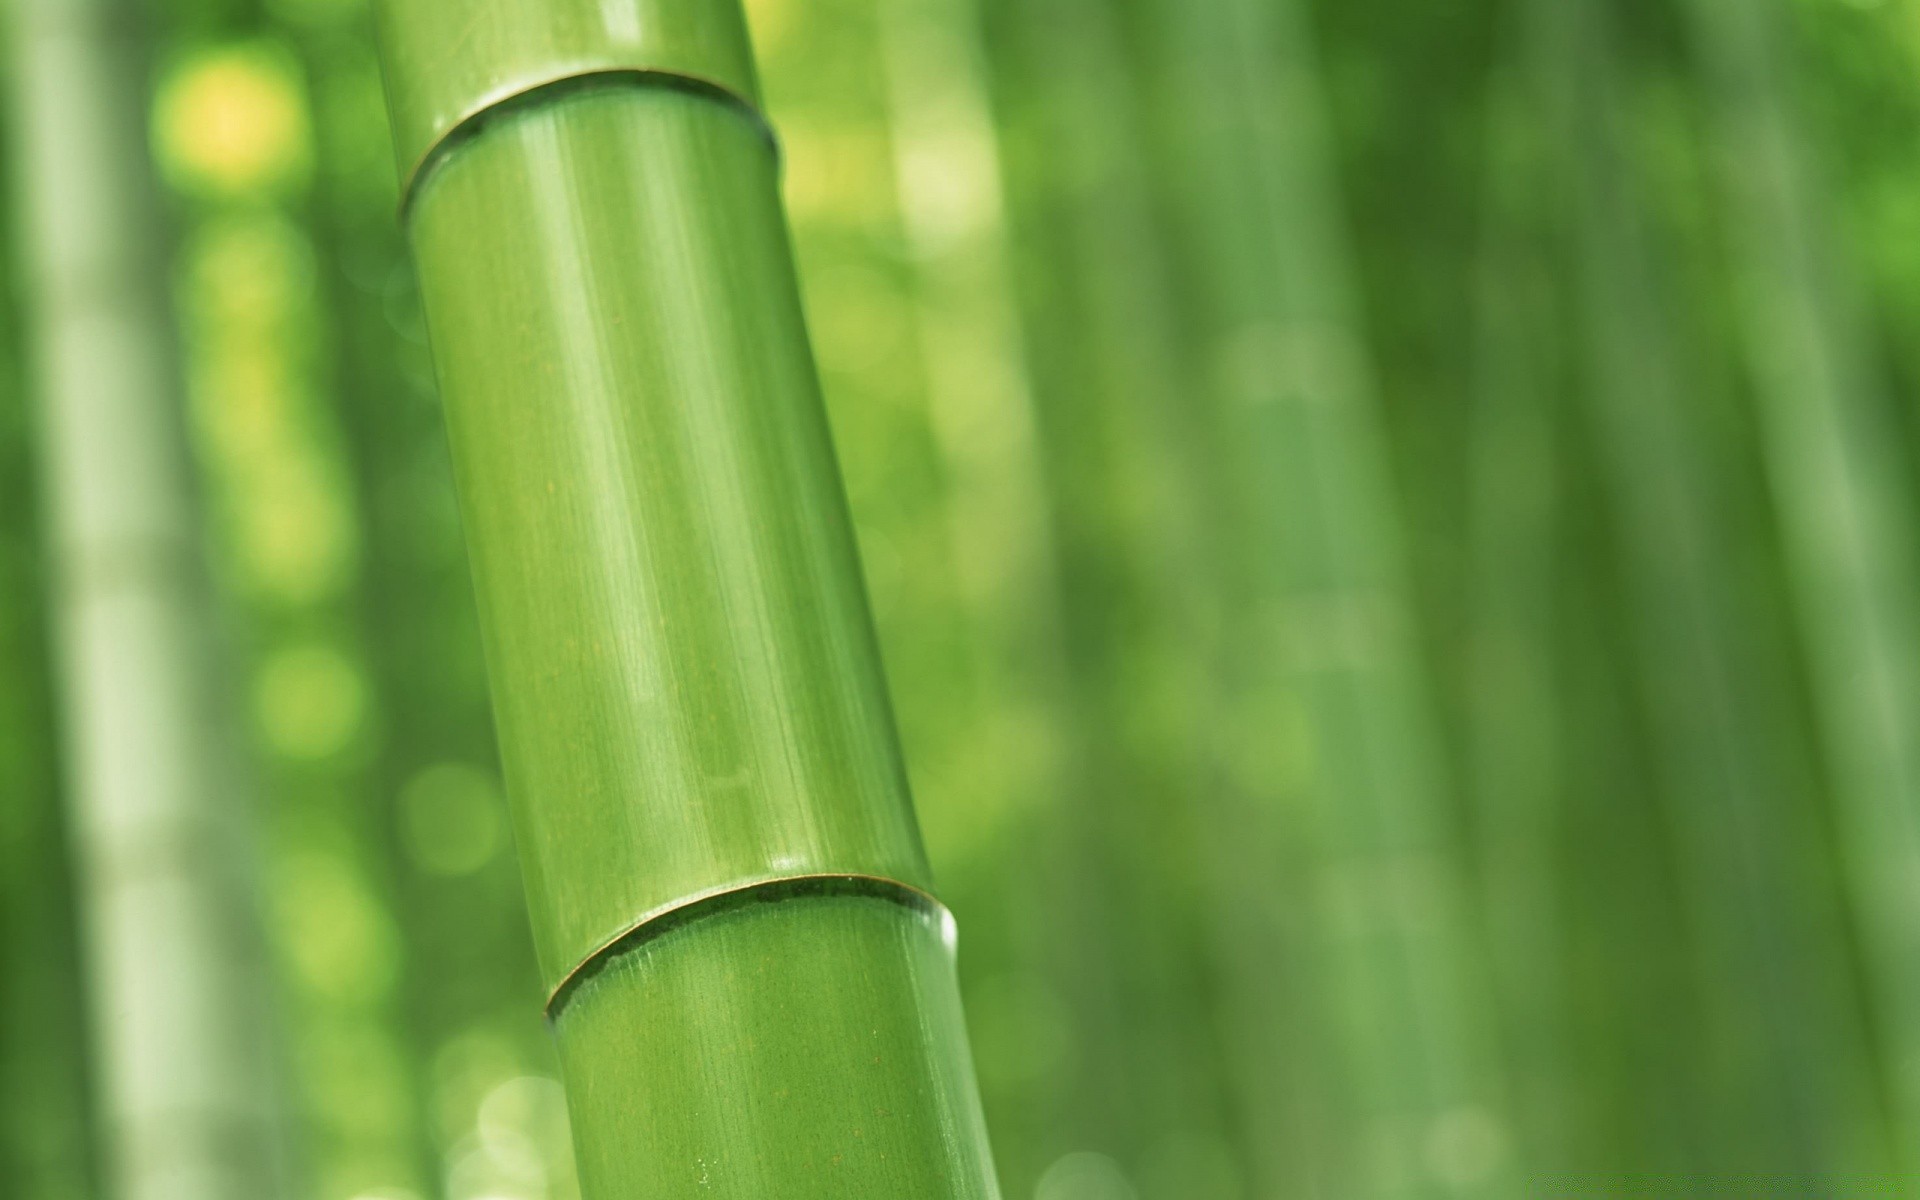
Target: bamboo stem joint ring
<point x="676" y="914"/>
<point x="467" y="61"/>
<point x="531" y="93"/>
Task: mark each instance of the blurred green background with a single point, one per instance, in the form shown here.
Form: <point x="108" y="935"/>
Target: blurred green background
<point x="1393" y="529"/>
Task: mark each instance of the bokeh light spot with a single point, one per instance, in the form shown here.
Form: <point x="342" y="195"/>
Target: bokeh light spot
<point x="450" y="819"/>
<point x="233" y="120"/>
<point x="523" y="1128"/>
<point x="341" y="944"/>
<point x="310" y="701"/>
<point x="1085" y="1176"/>
<point x="1022" y="1031"/>
<point x="1465" y="1146"/>
<point x="465" y="1069"/>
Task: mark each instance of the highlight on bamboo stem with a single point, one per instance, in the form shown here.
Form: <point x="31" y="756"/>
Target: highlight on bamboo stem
<point x="1058" y="599"/>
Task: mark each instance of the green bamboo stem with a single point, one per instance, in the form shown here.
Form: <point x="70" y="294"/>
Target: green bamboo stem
<point x="46" y="1134"/>
<point x="1514" y="760"/>
<point x="1133" y="543"/>
<point x="1846" y="503"/>
<point x="187" y="1095"/>
<point x="1570" y="860"/>
<point x="1781" y="1064"/>
<point x="1323" y="604"/>
<point x="753" y="993"/>
<point x="1639" y="1096"/>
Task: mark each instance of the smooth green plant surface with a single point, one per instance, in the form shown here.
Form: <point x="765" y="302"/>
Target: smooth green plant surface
<point x="809" y="1047"/>
<point x="685" y="676"/>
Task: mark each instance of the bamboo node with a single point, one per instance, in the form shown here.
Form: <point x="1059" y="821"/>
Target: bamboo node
<point x="523" y="94"/>
<point x="677" y="914"/>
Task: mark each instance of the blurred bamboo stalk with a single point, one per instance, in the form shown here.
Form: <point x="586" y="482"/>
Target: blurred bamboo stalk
<point x="1516" y="535"/>
<point x="1142" y="904"/>
<point x="1848" y="506"/>
<point x="1779" y="1062"/>
<point x="46" y="1135"/>
<point x="159" y="819"/>
<point x="269" y="365"/>
<point x="1322" y="610"/>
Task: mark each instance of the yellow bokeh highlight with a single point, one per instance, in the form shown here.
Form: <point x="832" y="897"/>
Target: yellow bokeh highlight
<point x="232" y="121"/>
<point x="249" y="296"/>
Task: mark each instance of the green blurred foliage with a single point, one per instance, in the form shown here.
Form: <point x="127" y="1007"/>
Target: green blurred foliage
<point x="1370" y="709"/>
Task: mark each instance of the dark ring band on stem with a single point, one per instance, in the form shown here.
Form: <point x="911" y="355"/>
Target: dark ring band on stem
<point x="524" y="94"/>
<point x="731" y="897"/>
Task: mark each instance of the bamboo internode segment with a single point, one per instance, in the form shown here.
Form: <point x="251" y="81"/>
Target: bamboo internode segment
<point x="688" y="690"/>
<point x="807" y="1050"/>
<point x="715" y="901"/>
<point x="466" y="58"/>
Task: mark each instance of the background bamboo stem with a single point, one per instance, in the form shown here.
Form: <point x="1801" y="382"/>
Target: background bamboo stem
<point x="1746" y="842"/>
<point x="1831" y="441"/>
<point x="159" y="817"/>
<point x="1514" y="757"/>
<point x="46" y="1143"/>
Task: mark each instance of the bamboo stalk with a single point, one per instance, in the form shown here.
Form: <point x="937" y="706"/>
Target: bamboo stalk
<point x="753" y="993"/>
<point x="181" y="1040"/>
<point x="1572" y="870"/>
<point x="1847" y="506"/>
<point x="1515" y="767"/>
<point x="1780" y="1059"/>
<point x="1642" y="1097"/>
<point x="1322" y="602"/>
<point x="1122" y="459"/>
<point x="47" y="1149"/>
